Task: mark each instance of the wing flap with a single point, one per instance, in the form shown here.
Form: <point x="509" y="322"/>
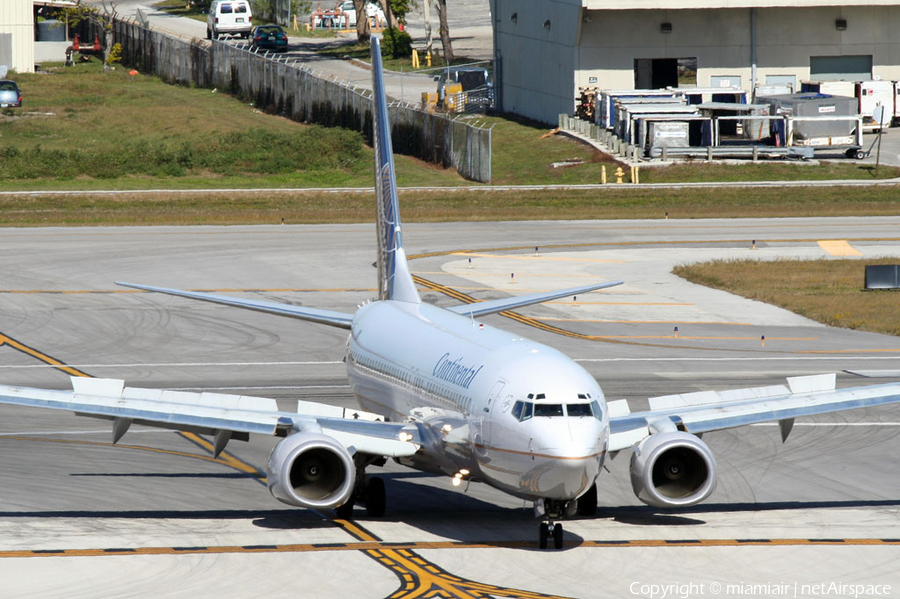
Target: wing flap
<point x="328" y="317"/>
<point x="511" y="303"/>
<point x="711" y="411"/>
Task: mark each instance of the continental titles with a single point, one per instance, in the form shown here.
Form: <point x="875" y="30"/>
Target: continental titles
<point x="454" y="372"/>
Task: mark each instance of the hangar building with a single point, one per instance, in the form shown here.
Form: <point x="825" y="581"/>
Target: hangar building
<point x="17" y="35"/>
<point x="548" y="48"/>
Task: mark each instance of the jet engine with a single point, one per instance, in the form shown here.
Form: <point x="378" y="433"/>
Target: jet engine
<point x="311" y="470"/>
<point x="672" y="469"/>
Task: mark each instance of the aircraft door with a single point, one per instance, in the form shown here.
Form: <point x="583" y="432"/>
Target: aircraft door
<point x="494" y="399"/>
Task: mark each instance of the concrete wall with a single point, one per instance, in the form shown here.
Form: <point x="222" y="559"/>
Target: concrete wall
<point x="17" y="18"/>
<point x="720" y="40"/>
<point x="538" y="61"/>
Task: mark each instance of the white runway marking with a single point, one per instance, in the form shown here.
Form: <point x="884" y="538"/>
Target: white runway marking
<point x="739" y="359"/>
<point x="172" y="364"/>
<point x="95" y="432"/>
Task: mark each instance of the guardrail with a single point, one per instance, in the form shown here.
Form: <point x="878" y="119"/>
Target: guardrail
<point x="286" y="87"/>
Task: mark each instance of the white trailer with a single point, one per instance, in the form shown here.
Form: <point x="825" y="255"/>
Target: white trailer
<point x="872" y="94"/>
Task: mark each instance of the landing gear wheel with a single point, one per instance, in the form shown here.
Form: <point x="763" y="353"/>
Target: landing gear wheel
<point x="375" y="499"/>
<point x="543" y="534"/>
<point x="587" y="503"/>
<point x="345" y="512"/>
<point x="557" y="536"/>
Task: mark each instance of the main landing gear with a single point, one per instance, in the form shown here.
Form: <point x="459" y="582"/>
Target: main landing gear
<point x="368" y="490"/>
<point x="554" y="510"/>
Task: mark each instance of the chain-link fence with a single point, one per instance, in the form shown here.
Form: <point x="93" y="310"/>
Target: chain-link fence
<point x="281" y="85"/>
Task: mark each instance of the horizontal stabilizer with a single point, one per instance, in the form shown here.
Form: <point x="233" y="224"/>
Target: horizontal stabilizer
<point x="329" y="317"/>
<point x="511" y="303"/>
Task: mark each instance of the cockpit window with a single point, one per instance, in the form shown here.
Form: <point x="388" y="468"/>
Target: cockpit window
<point x="579" y="409"/>
<point x="540" y="396"/>
<point x="598" y="411"/>
<point x="527" y="411"/>
<point x="548" y="409"/>
<point x="517" y="410"/>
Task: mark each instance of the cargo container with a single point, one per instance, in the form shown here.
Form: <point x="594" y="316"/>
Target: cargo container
<point x="604" y="115"/>
<point x="625" y="116"/>
<point x="818" y="119"/>
<point x="872" y="94"/>
<point x="830" y="88"/>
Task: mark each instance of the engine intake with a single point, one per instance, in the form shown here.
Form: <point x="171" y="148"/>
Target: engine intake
<point x="672" y="469"/>
<point x="312" y="471"/>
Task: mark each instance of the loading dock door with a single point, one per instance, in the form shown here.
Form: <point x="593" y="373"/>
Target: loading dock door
<point x="840" y="68"/>
<point x="655" y="73"/>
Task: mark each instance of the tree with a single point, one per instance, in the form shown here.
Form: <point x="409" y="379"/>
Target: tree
<point x="362" y="21"/>
<point x="441" y="6"/>
<point x="429" y="40"/>
<point x="103" y="16"/>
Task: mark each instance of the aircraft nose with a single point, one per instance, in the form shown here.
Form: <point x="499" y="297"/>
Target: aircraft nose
<point x="569" y="454"/>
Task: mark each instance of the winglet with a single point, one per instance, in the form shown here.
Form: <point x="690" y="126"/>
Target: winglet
<point x="394" y="279"/>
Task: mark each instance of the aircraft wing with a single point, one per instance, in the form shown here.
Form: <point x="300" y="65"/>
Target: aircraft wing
<point x="511" y="303"/>
<point x="336" y="319"/>
<point x="223" y="416"/>
<point x="707" y="411"/>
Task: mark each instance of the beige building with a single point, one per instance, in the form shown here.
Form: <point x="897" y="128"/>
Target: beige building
<point x="17" y="35"/>
<point x="548" y="48"/>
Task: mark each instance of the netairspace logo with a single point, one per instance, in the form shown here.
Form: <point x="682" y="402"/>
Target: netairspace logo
<point x="831" y="590"/>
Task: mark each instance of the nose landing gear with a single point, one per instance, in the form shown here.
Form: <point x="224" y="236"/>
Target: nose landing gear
<point x="550" y="529"/>
<point x="553" y="511"/>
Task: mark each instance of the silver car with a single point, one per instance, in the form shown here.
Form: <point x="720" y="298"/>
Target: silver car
<point x="10" y="96"/>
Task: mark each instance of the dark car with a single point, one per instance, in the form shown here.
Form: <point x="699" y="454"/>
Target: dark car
<point x="269" y="36"/>
<point x="10" y="96"/>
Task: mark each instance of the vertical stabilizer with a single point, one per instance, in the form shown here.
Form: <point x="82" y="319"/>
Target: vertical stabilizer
<point x="394" y="279"/>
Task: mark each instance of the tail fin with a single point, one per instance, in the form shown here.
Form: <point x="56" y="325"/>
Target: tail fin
<point x="394" y="280"/>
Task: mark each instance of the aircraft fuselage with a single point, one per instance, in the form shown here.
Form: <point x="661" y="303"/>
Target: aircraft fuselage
<point x="511" y="412"/>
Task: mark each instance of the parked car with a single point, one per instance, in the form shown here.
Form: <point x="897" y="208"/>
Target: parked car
<point x="10" y="96"/>
<point x="372" y="10"/>
<point x="231" y="17"/>
<point x="269" y="36"/>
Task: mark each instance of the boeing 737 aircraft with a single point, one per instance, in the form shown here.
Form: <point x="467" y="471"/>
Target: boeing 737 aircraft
<point x="444" y="393"/>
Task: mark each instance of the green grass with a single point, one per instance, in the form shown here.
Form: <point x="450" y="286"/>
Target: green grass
<point x="434" y="206"/>
<point x="180" y="8"/>
<point x="828" y="291"/>
<point x="85" y="129"/>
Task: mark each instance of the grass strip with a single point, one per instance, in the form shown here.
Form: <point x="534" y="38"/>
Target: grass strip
<point x="828" y="291"/>
<point x="312" y="207"/>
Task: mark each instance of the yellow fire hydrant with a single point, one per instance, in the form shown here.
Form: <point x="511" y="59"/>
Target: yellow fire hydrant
<point x="619" y="174"/>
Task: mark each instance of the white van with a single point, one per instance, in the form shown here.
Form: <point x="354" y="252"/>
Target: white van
<point x="230" y="17"/>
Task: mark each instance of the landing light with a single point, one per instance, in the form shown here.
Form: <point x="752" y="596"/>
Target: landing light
<point x="446" y="428"/>
<point x="464" y="472"/>
<point x="457" y="481"/>
<point x="405" y="436"/>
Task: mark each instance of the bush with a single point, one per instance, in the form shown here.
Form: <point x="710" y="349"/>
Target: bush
<point x="396" y="43"/>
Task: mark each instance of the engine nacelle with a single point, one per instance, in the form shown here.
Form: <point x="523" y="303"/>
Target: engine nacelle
<point x="312" y="471"/>
<point x="673" y="469"/>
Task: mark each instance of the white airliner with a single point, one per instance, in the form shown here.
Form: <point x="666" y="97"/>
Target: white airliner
<point x="445" y="393"/>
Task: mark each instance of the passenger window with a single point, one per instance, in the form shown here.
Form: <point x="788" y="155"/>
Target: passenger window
<point x="527" y="411"/>
<point x="548" y="409"/>
<point x="226" y="9"/>
<point x="517" y="410"/>
<point x="579" y="409"/>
